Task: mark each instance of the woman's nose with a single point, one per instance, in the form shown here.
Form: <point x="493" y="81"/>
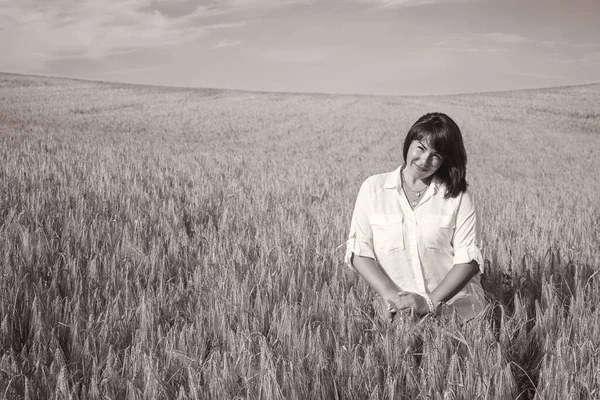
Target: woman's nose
<point x="427" y="159"/>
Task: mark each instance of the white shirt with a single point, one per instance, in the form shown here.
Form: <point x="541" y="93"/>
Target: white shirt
<point x="417" y="248"/>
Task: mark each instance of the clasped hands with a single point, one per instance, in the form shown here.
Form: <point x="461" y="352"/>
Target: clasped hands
<point x="399" y="302"/>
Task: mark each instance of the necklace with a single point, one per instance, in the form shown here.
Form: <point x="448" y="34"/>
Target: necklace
<point x="415" y="194"/>
<point x="419" y="193"/>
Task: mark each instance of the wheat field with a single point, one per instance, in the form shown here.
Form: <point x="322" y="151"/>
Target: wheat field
<point x="168" y="243"/>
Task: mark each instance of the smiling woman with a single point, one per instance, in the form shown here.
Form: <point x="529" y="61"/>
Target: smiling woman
<point x="414" y="235"/>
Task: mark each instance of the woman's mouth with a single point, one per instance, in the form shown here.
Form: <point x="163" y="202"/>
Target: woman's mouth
<point x="420" y="168"/>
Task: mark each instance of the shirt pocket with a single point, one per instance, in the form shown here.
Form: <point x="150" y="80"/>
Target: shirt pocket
<point x="437" y="232"/>
<point x="387" y="232"/>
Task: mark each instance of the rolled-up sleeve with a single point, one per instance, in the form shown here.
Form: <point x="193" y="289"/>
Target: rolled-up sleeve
<point x="360" y="240"/>
<point x="467" y="237"/>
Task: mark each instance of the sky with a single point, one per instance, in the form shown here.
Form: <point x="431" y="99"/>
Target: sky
<point x="387" y="47"/>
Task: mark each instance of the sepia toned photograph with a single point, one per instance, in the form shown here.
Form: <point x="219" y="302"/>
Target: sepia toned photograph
<point x="300" y="199"/>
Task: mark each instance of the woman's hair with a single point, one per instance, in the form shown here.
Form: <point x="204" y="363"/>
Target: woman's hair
<point x="441" y="133"/>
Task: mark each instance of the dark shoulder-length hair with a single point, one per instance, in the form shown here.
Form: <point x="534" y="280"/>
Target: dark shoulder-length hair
<point x="441" y="133"/>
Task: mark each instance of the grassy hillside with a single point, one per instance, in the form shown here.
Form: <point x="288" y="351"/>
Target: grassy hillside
<point x="188" y="243"/>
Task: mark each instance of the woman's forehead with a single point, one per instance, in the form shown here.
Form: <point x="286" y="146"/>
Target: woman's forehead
<point x="425" y="141"/>
<point x="429" y="142"/>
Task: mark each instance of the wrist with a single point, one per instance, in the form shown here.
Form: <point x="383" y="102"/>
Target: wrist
<point x="430" y="305"/>
<point x="388" y="294"/>
<point x="435" y="300"/>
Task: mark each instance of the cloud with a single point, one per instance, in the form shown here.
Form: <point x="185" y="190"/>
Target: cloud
<point x="226" y="25"/>
<point x="386" y="4"/>
<point x="491" y="42"/>
<point x="227" y="43"/>
<point x="505" y="38"/>
<point x="592" y="58"/>
<point x="586" y="45"/>
<point x="262" y="3"/>
<point x="37" y="32"/>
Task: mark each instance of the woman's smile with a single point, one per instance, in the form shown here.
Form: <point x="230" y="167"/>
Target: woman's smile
<point x="422" y="169"/>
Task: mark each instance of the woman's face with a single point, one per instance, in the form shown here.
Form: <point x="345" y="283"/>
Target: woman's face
<point x="422" y="161"/>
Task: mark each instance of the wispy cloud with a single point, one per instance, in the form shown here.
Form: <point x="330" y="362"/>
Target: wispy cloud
<point x="226" y="25"/>
<point x="504" y="38"/>
<point x="386" y="4"/>
<point x="491" y="42"/>
<point x="589" y="59"/>
<point x="96" y="29"/>
<point x="227" y="43"/>
<point x="262" y="3"/>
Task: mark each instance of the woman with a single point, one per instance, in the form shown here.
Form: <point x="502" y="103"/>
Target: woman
<point x="414" y="236"/>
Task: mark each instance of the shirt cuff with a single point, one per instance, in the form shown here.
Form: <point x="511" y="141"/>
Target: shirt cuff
<point x="467" y="254"/>
<point x="357" y="247"/>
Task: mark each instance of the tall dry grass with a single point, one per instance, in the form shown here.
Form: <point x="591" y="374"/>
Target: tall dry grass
<point x="172" y="243"/>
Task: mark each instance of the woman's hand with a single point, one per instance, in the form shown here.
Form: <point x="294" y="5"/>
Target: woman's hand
<point x="403" y="301"/>
<point x="387" y="312"/>
<point x="387" y="299"/>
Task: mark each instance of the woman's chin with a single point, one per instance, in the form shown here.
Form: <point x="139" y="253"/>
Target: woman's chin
<point x="420" y="174"/>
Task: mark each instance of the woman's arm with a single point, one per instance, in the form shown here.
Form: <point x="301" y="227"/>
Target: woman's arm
<point x="454" y="281"/>
<point x="378" y="280"/>
<point x="375" y="277"/>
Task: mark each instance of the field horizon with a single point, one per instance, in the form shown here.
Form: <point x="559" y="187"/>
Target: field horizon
<point x="188" y="243"/>
<point x="541" y="88"/>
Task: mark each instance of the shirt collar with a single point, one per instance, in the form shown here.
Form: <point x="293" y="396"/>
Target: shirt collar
<point x="393" y="180"/>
